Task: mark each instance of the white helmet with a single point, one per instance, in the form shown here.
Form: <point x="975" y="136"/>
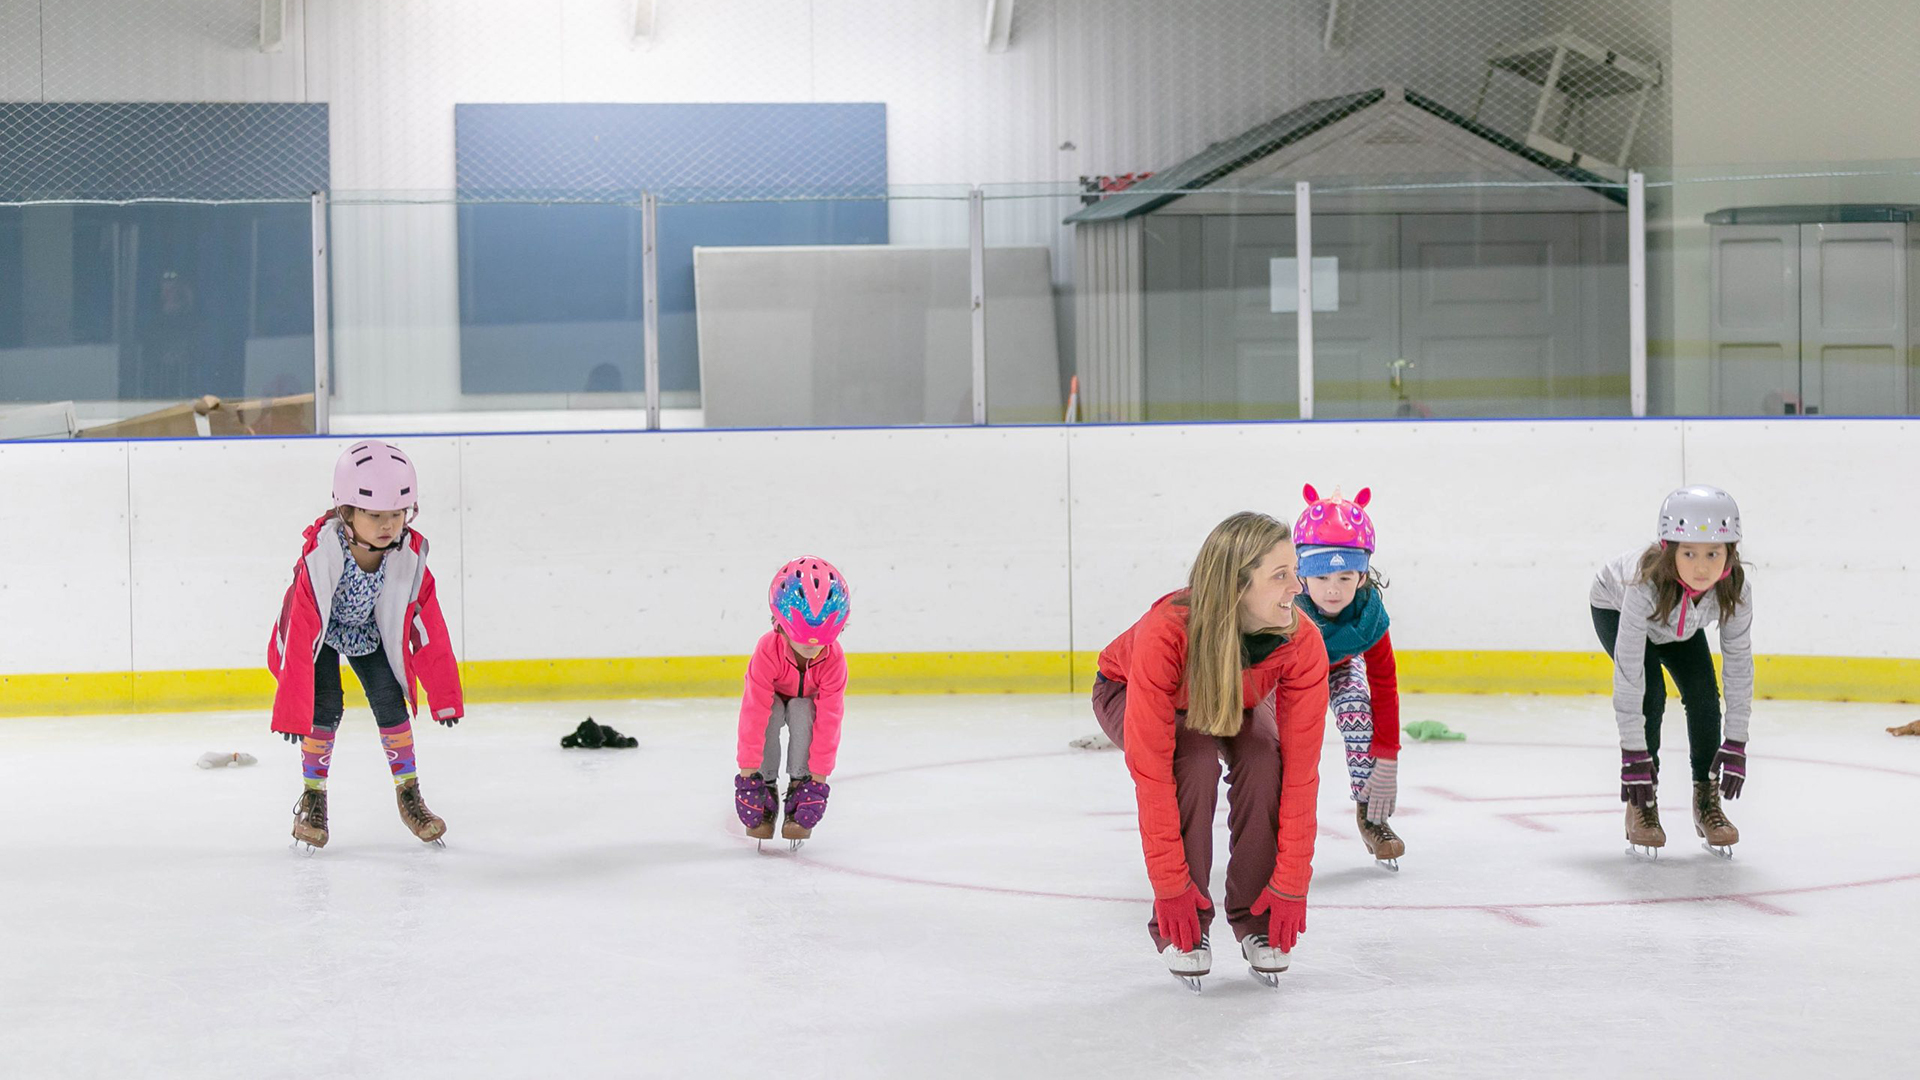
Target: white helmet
<point x="1699" y="515"/>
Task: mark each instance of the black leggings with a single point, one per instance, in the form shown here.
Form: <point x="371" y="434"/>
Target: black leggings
<point x="1691" y="663"/>
<point x="389" y="702"/>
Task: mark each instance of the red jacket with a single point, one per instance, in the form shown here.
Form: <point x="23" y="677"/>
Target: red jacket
<point x="1151" y="658"/>
<point x="1383" y="687"/>
<point x="774" y="669"/>
<point x="408" y="611"/>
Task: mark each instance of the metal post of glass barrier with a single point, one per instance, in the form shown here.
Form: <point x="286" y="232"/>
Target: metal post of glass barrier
<point x="650" y="303"/>
<point x="977" y="271"/>
<point x="1303" y="275"/>
<point x="322" y="321"/>
<point x="1637" y="292"/>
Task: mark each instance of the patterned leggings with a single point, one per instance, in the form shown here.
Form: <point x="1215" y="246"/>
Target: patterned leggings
<point x="1353" y="714"/>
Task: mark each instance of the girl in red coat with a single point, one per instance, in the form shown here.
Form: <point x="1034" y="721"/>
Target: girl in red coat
<point x="1223" y="669"/>
<point x="1335" y="540"/>
<point x="362" y="590"/>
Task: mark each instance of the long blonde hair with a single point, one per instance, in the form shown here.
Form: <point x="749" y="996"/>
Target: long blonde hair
<point x="1220" y="575"/>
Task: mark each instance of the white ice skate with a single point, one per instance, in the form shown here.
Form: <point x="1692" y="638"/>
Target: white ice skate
<point x="1264" y="961"/>
<point x="1096" y="741"/>
<point x="1188" y="967"/>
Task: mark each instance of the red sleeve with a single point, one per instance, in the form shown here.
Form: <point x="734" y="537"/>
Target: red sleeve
<point x="1154" y="674"/>
<point x="1301" y="715"/>
<point x="433" y="660"/>
<point x="1383" y="685"/>
<point x="829" y="705"/>
<point x="756" y="706"/>
<point x="292" y="638"/>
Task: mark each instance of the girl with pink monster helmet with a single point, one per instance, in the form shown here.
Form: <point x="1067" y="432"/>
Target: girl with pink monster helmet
<point x="796" y="680"/>
<point x="361" y="590"/>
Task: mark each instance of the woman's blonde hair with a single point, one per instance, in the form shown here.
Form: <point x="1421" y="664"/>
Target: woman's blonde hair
<point x="1221" y="573"/>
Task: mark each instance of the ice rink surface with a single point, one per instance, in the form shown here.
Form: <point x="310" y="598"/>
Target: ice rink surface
<point x="972" y="905"/>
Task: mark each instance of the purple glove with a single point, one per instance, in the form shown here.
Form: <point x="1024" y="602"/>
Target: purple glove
<point x="807" y="803"/>
<point x="752" y="799"/>
<point x="1636" y="777"/>
<point x="1730" y="764"/>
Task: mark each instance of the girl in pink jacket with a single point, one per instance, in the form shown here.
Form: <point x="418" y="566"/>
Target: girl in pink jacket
<point x="362" y="592"/>
<point x="796" y="679"/>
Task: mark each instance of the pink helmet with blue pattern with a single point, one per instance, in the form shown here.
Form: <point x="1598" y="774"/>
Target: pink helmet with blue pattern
<point x="809" y="601"/>
<point x="1334" y="534"/>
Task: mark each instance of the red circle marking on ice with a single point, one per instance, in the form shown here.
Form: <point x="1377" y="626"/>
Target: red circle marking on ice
<point x="1510" y="912"/>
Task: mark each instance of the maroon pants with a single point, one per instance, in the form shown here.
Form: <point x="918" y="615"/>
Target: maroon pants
<point x="1253" y="803"/>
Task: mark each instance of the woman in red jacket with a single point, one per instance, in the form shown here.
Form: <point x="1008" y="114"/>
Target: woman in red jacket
<point x="1223" y="669"/>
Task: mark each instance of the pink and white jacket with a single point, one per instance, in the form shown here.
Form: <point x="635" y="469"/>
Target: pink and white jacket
<point x="774" y="669"/>
<point x="408" y="611"/>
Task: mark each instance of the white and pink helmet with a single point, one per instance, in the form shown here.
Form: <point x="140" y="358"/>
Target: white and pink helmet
<point x="376" y="477"/>
<point x="809" y="601"/>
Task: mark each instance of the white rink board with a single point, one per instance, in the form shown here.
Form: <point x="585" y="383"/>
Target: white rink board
<point x="619" y="545"/>
<point x="173" y="554"/>
<point x="1833" y="528"/>
<point x="63" y="557"/>
<point x="1489" y="532"/>
<point x="216" y="528"/>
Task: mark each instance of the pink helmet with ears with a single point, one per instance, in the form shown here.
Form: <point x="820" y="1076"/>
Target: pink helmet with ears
<point x="375" y="476"/>
<point x="809" y="601"/>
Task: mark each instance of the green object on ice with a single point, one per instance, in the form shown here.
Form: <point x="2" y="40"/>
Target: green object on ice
<point x="1431" y="731"/>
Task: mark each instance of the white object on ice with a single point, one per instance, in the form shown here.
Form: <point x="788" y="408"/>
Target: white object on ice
<point x="1096" y="741"/>
<point x="1264" y="962"/>
<point x="214" y="759"/>
<point x="1189" y="966"/>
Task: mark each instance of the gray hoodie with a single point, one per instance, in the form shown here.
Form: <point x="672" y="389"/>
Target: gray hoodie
<point x="1617" y="588"/>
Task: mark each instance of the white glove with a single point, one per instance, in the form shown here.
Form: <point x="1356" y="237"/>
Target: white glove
<point x="1382" y="789"/>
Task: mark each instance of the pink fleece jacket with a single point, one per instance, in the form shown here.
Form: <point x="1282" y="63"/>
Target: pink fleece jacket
<point x="774" y="669"/>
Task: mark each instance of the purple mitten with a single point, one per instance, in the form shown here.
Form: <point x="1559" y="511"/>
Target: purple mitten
<point x="752" y="799"/>
<point x="807" y="803"/>
<point x="1636" y="777"/>
<point x="1730" y="764"/>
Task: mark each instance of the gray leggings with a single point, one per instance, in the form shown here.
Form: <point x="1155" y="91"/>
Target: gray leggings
<point x="796" y="715"/>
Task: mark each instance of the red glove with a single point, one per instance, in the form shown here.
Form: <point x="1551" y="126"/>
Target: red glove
<point x="1286" y="917"/>
<point x="1179" y="918"/>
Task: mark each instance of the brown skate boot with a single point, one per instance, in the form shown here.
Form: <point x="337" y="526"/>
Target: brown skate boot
<point x="764" y="830"/>
<point x="1710" y="822"/>
<point x="310" y="818"/>
<point x="1379" y="837"/>
<point x="413" y="810"/>
<point x="1644" y="834"/>
<point x="789" y="828"/>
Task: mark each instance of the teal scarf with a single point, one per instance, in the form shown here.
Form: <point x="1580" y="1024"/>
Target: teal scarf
<point x="1357" y="628"/>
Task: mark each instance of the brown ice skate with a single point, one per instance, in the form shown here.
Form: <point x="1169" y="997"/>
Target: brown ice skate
<point x="1644" y="834"/>
<point x="1382" y="843"/>
<point x="1710" y="822"/>
<point x="310" y="818"/>
<point x="424" y="823"/>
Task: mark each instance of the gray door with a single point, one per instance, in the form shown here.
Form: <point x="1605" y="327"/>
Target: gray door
<point x="1252" y="354"/>
<point x="1490" y="311"/>
<point x="1853" y="319"/>
<point x="1754" y="319"/>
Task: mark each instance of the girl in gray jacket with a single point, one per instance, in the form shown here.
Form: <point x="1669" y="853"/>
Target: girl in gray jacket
<point x="1651" y="608"/>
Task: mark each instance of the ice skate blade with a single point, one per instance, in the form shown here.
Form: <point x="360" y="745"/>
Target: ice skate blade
<point x="303" y="848"/>
<point x="1191" y="982"/>
<point x="1650" y="854"/>
<point x="1724" y="851"/>
<point x="1388" y="864"/>
<point x="795" y="845"/>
